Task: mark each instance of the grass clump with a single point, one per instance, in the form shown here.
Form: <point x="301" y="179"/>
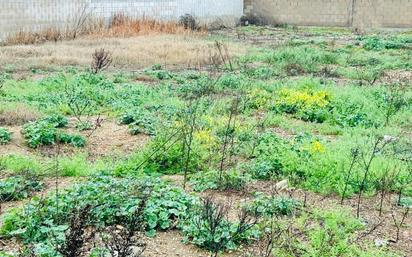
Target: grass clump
<point x="215" y="180"/>
<point x="19" y="164"/>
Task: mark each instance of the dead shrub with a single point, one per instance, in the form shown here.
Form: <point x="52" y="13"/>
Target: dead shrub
<point x="251" y="19"/>
<point x="294" y="69"/>
<point x="220" y="56"/>
<point x="76" y="235"/>
<point x="126" y="239"/>
<point x="102" y="60"/>
<point x="2" y="81"/>
<point x="188" y="21"/>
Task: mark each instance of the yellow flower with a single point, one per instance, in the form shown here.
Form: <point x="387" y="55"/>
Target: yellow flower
<point x="205" y="138"/>
<point x="317" y="147"/>
<point x="303" y="99"/>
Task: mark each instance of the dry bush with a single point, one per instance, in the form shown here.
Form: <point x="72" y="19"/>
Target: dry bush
<point x="102" y="60"/>
<point x="17" y="115"/>
<point x="251" y="19"/>
<point x="76" y="235"/>
<point x="294" y="69"/>
<point x="120" y="25"/>
<point x="189" y="22"/>
<point x="127" y="238"/>
<point x="123" y="26"/>
<point x="30" y="38"/>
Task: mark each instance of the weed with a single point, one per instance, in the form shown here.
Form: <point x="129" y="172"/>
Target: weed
<point x="20" y="164"/>
<point x="19" y="187"/>
<point x="272" y="206"/>
<point x="209" y="228"/>
<point x="395" y="98"/>
<point x="378" y="43"/>
<point x="5" y="136"/>
<point x="13" y="114"/>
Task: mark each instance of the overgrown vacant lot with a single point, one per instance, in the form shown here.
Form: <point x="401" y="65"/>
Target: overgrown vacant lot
<point x="254" y="141"/>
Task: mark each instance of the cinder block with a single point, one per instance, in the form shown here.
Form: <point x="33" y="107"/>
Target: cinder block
<point x="371" y="13"/>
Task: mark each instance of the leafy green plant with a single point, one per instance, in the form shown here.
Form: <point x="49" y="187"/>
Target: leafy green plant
<point x="109" y="199"/>
<point x="145" y="125"/>
<point x="350" y="115"/>
<point x="406" y="202"/>
<point x="18" y="187"/>
<point x="158" y="73"/>
<point x="139" y="121"/>
<point x="264" y="169"/>
<point x="271" y="206"/>
<point x="5" y="136"/>
<point x="166" y="208"/>
<point x="45" y="132"/>
<point x="57" y="120"/>
<point x="74" y="140"/>
<point x="307" y="105"/>
<point x="230" y="82"/>
<point x="39" y="133"/>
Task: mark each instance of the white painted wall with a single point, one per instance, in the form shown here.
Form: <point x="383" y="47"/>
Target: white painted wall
<point x="31" y="15"/>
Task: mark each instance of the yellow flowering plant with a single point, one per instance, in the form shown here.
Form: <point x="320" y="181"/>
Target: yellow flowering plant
<point x="304" y="104"/>
<point x="317" y="147"/>
<point x="205" y="139"/>
<point x="259" y="98"/>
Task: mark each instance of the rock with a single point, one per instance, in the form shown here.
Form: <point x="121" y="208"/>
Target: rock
<point x="282" y="185"/>
<point x="381" y="242"/>
<point x="389" y="139"/>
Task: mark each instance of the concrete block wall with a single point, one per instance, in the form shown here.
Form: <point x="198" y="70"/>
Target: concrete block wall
<point x="345" y="13"/>
<point x="383" y="13"/>
<point x="32" y="15"/>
